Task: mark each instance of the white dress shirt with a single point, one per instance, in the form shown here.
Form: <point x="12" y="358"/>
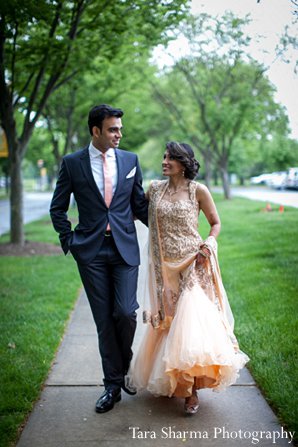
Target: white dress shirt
<point x="97" y="167"/>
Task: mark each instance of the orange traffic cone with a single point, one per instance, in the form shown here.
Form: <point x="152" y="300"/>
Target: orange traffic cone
<point x="281" y="209"/>
<point x="268" y="207"/>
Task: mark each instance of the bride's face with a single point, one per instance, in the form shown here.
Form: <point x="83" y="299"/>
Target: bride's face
<point x="170" y="166"/>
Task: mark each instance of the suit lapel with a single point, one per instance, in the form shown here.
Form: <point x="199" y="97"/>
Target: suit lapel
<point x="86" y="167"/>
<point x="120" y="171"/>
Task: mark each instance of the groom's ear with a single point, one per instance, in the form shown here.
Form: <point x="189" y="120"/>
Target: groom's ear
<point x="96" y="131"/>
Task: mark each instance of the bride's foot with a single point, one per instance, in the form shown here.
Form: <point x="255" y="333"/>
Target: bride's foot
<point x="191" y="405"/>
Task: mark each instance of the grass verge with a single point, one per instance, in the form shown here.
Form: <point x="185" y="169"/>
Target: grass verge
<point x="37" y="295"/>
<point x="258" y="254"/>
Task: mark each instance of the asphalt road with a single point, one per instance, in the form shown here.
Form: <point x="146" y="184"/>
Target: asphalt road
<point x="36" y="205"/>
<point x="286" y="197"/>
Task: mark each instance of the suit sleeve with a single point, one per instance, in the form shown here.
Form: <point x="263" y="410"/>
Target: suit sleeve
<point x="139" y="203"/>
<point x="59" y="207"/>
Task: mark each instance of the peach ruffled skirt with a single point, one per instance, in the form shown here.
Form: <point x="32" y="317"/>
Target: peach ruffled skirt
<point x="196" y="349"/>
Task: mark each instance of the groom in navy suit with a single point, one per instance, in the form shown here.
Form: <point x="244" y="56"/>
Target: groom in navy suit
<point x="107" y="185"/>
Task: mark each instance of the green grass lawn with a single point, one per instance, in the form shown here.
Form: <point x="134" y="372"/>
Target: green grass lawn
<point x="37" y="295"/>
<point x="258" y="255"/>
<point x="3" y="195"/>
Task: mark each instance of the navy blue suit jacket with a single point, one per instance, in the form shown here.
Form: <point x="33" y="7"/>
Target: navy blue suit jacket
<point x="129" y="200"/>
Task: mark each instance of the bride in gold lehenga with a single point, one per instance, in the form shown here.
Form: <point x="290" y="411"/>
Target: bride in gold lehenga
<point x="189" y="343"/>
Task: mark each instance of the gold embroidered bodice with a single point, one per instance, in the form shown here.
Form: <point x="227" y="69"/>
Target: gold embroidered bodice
<point x="177" y="222"/>
<point x="174" y="243"/>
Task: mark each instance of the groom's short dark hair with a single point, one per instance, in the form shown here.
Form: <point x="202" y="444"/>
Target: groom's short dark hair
<point x="98" y="113"/>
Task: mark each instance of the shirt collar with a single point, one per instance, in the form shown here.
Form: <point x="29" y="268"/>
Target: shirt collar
<point x="93" y="152"/>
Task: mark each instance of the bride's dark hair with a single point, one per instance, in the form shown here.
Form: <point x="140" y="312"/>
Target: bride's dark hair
<point x="183" y="152"/>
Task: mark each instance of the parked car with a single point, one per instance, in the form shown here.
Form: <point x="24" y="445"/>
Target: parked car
<point x="292" y="178"/>
<point x="260" y="179"/>
<point x="277" y="180"/>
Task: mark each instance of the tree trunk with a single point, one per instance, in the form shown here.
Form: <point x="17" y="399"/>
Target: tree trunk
<point x="225" y="181"/>
<point x="215" y="177"/>
<point x="16" y="200"/>
<point x="57" y="156"/>
<point x="208" y="171"/>
<point x="241" y="180"/>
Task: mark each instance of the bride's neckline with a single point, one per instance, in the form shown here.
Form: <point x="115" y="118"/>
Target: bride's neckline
<point x="172" y="202"/>
<point x="170" y="191"/>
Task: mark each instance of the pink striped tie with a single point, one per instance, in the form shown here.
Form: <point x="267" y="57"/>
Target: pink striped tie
<point x="108" y="187"/>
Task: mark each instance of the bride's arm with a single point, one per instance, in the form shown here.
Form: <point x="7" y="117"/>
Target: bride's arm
<point x="208" y="207"/>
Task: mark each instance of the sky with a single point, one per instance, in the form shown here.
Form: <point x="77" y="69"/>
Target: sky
<point x="268" y="19"/>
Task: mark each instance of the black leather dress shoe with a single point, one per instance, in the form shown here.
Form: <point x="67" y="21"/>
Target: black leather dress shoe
<point x="107" y="400"/>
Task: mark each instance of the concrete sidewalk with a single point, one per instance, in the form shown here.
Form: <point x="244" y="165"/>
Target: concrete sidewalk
<point x="64" y="416"/>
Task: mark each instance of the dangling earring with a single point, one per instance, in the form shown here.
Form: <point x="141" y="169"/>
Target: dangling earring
<point x="183" y="173"/>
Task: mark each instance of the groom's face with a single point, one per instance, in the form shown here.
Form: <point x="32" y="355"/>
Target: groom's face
<point x="109" y="136"/>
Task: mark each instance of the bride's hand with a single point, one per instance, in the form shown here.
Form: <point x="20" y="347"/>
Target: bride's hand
<point x="201" y="259"/>
<point x="203" y="254"/>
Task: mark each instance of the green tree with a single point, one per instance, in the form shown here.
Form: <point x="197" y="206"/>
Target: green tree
<point x="40" y="148"/>
<point x="67" y="109"/>
<point x="279" y="153"/>
<point x="43" y="45"/>
<point x="217" y="94"/>
<point x="65" y="118"/>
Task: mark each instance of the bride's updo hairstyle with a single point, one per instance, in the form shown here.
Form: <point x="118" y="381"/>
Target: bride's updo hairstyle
<point x="183" y="152"/>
